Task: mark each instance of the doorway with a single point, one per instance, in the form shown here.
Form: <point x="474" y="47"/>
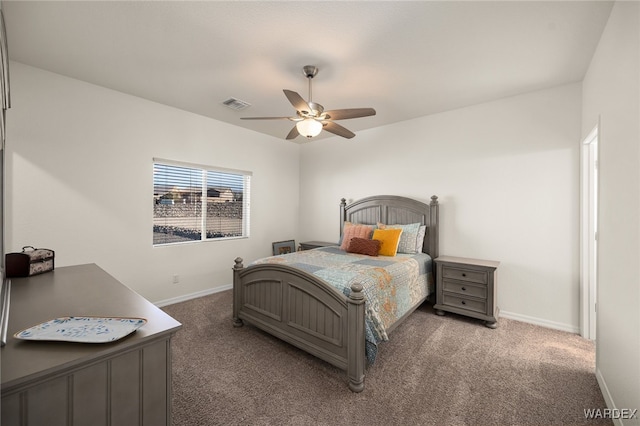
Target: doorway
<point x="589" y="236"/>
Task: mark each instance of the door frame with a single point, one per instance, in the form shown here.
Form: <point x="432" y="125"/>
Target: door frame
<point x="589" y="233"/>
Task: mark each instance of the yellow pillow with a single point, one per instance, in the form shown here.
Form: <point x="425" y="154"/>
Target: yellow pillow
<point x="389" y="239"/>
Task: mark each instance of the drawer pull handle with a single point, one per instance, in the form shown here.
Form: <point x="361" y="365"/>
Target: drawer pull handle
<point x="464" y="275"/>
<point x="464" y="303"/>
<point x="464" y="289"/>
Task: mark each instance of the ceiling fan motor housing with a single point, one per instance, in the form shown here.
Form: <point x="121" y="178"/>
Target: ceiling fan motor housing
<point x="316" y="109"/>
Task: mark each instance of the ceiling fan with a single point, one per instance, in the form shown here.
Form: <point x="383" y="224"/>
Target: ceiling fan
<point x="311" y="118"/>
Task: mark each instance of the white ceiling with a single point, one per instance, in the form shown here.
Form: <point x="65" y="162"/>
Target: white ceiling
<point x="405" y="59"/>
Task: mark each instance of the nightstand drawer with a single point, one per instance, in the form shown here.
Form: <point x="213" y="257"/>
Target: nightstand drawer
<point x="463" y="288"/>
<point x="464" y="303"/>
<point x="479" y="277"/>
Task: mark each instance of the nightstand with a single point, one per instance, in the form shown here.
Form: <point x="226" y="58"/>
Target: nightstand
<point x="308" y="245"/>
<point x="467" y="287"/>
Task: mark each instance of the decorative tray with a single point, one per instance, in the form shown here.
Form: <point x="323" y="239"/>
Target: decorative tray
<point x="82" y="329"/>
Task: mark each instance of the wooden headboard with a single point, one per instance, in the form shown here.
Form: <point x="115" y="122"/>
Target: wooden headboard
<point x="395" y="210"/>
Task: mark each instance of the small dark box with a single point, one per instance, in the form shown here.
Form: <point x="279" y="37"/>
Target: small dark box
<point x="32" y="261"/>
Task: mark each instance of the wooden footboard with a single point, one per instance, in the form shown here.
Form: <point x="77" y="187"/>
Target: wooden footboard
<point x="305" y="311"/>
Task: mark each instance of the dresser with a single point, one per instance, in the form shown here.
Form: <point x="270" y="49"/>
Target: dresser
<point x="467" y="287"/>
<point x="125" y="382"/>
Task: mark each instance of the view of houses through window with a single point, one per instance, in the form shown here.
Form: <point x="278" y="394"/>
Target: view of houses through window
<point x="197" y="203"/>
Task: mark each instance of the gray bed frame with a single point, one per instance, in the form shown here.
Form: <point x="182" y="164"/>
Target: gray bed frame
<point x="310" y="314"/>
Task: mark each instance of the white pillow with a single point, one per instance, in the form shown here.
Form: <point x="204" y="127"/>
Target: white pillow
<point x="420" y="241"/>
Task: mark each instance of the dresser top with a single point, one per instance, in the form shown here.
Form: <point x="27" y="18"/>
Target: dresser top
<point x="83" y="290"/>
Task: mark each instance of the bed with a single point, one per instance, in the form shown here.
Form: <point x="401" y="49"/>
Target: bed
<point x="294" y="298"/>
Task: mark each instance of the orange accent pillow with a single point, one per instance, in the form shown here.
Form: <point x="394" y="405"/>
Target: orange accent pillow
<point x="364" y="246"/>
<point x="353" y="230"/>
<point x="389" y="239"/>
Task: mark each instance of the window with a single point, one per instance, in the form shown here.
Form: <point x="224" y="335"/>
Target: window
<point x="198" y="203"/>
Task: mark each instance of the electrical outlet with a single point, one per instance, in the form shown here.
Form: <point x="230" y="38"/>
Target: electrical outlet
<point x="176" y="279"/>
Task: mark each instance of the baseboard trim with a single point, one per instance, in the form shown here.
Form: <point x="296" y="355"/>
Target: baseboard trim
<point x="190" y="296"/>
<point x="541" y="322"/>
<point x="608" y="399"/>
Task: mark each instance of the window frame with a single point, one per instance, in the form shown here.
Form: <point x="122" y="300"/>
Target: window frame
<point x="204" y="169"/>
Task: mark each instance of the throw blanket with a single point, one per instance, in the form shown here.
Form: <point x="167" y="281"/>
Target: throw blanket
<point x="391" y="285"/>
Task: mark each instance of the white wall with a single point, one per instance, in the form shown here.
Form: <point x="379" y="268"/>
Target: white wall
<point x="611" y="94"/>
<point x="79" y="167"/>
<point x="507" y="174"/>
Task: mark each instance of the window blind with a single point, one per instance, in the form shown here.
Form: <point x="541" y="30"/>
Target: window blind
<point x="198" y="203"/>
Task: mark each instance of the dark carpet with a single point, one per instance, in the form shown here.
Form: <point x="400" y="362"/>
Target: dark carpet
<point x="434" y="370"/>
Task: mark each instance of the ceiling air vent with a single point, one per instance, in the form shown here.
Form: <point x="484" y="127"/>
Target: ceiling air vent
<point x="236" y="104"/>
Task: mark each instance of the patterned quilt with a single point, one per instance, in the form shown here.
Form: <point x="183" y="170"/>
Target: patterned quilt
<point x="391" y="285"/>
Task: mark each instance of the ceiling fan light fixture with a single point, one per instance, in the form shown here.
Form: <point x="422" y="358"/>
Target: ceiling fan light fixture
<point x="309" y="127"/>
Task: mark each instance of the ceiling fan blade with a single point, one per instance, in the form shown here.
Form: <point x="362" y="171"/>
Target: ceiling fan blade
<point x="293" y="133"/>
<point x="343" y="114"/>
<point x="297" y="101"/>
<point x="337" y="129"/>
<point x="266" y="118"/>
